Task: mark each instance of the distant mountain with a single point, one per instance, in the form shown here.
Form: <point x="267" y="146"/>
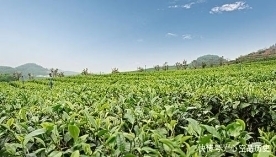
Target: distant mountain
<point x="32" y="68"/>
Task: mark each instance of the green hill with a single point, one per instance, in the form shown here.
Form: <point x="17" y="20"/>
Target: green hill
<point x="210" y="60"/>
<point x="34" y="69"/>
<point x="262" y="54"/>
<point x="6" y="70"/>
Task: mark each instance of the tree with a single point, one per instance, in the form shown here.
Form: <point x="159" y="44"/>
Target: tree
<point x="140" y="69"/>
<point x="165" y="66"/>
<point x="115" y="70"/>
<point x="61" y="74"/>
<point x="85" y="71"/>
<point x="17" y="75"/>
<point x="30" y="76"/>
<point x="51" y="74"/>
<point x="194" y="64"/>
<point x="157" y="67"/>
<point x="55" y="73"/>
<point x="203" y="64"/>
<point x="178" y="65"/>
<point x="221" y="61"/>
<point x="184" y="64"/>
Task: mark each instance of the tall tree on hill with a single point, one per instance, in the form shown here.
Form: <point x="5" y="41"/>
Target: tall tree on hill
<point x="194" y="64"/>
<point x="184" y="64"/>
<point x="140" y="69"/>
<point x="157" y="67"/>
<point x="30" y="76"/>
<point x="178" y="65"/>
<point x="203" y="64"/>
<point x="85" y="71"/>
<point x="165" y="66"/>
<point x="61" y="74"/>
<point x="54" y="72"/>
<point x="115" y="70"/>
<point x="221" y="61"/>
<point x="17" y="75"/>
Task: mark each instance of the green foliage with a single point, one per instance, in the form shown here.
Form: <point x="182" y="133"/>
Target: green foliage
<point x="6" y="78"/>
<point x="181" y="113"/>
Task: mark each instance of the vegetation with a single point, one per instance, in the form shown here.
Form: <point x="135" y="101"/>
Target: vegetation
<point x="220" y="111"/>
<point x="157" y="67"/>
<point x="165" y="66"/>
<point x="140" y="69"/>
<point x="6" y="78"/>
<point x="85" y="72"/>
<point x="203" y="64"/>
<point x="208" y="60"/>
<point x="17" y="75"/>
<point x="56" y="73"/>
<point x="182" y="65"/>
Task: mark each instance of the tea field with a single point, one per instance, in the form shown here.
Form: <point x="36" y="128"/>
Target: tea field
<point x="212" y="112"/>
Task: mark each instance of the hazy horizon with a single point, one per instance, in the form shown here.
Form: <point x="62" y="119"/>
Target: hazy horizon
<point x="100" y="35"/>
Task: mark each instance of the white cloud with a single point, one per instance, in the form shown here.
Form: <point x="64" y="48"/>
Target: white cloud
<point x="188" y="6"/>
<point x="230" y="7"/>
<point x="186" y="36"/>
<point x="173" y="6"/>
<point x="171" y="34"/>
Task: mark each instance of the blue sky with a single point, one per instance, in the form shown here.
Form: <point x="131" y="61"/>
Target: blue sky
<point x="102" y="34"/>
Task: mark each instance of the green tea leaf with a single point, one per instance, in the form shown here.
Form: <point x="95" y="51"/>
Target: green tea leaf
<point x="111" y="139"/>
<point x="244" y="105"/>
<point x="75" y="154"/>
<point x="241" y="122"/>
<point x="47" y="126"/>
<point x="2" y="119"/>
<point x="195" y="126"/>
<point x="74" y="131"/>
<point x="129" y="155"/>
<point x="35" y="133"/>
<point x="149" y="150"/>
<point x="32" y="134"/>
<point x="55" y="154"/>
<point x="10" y="122"/>
<point x="213" y="131"/>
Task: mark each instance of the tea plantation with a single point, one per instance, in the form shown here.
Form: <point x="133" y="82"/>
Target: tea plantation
<point x="212" y="112"/>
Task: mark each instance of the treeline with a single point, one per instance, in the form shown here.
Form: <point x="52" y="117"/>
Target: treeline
<point x="7" y="78"/>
